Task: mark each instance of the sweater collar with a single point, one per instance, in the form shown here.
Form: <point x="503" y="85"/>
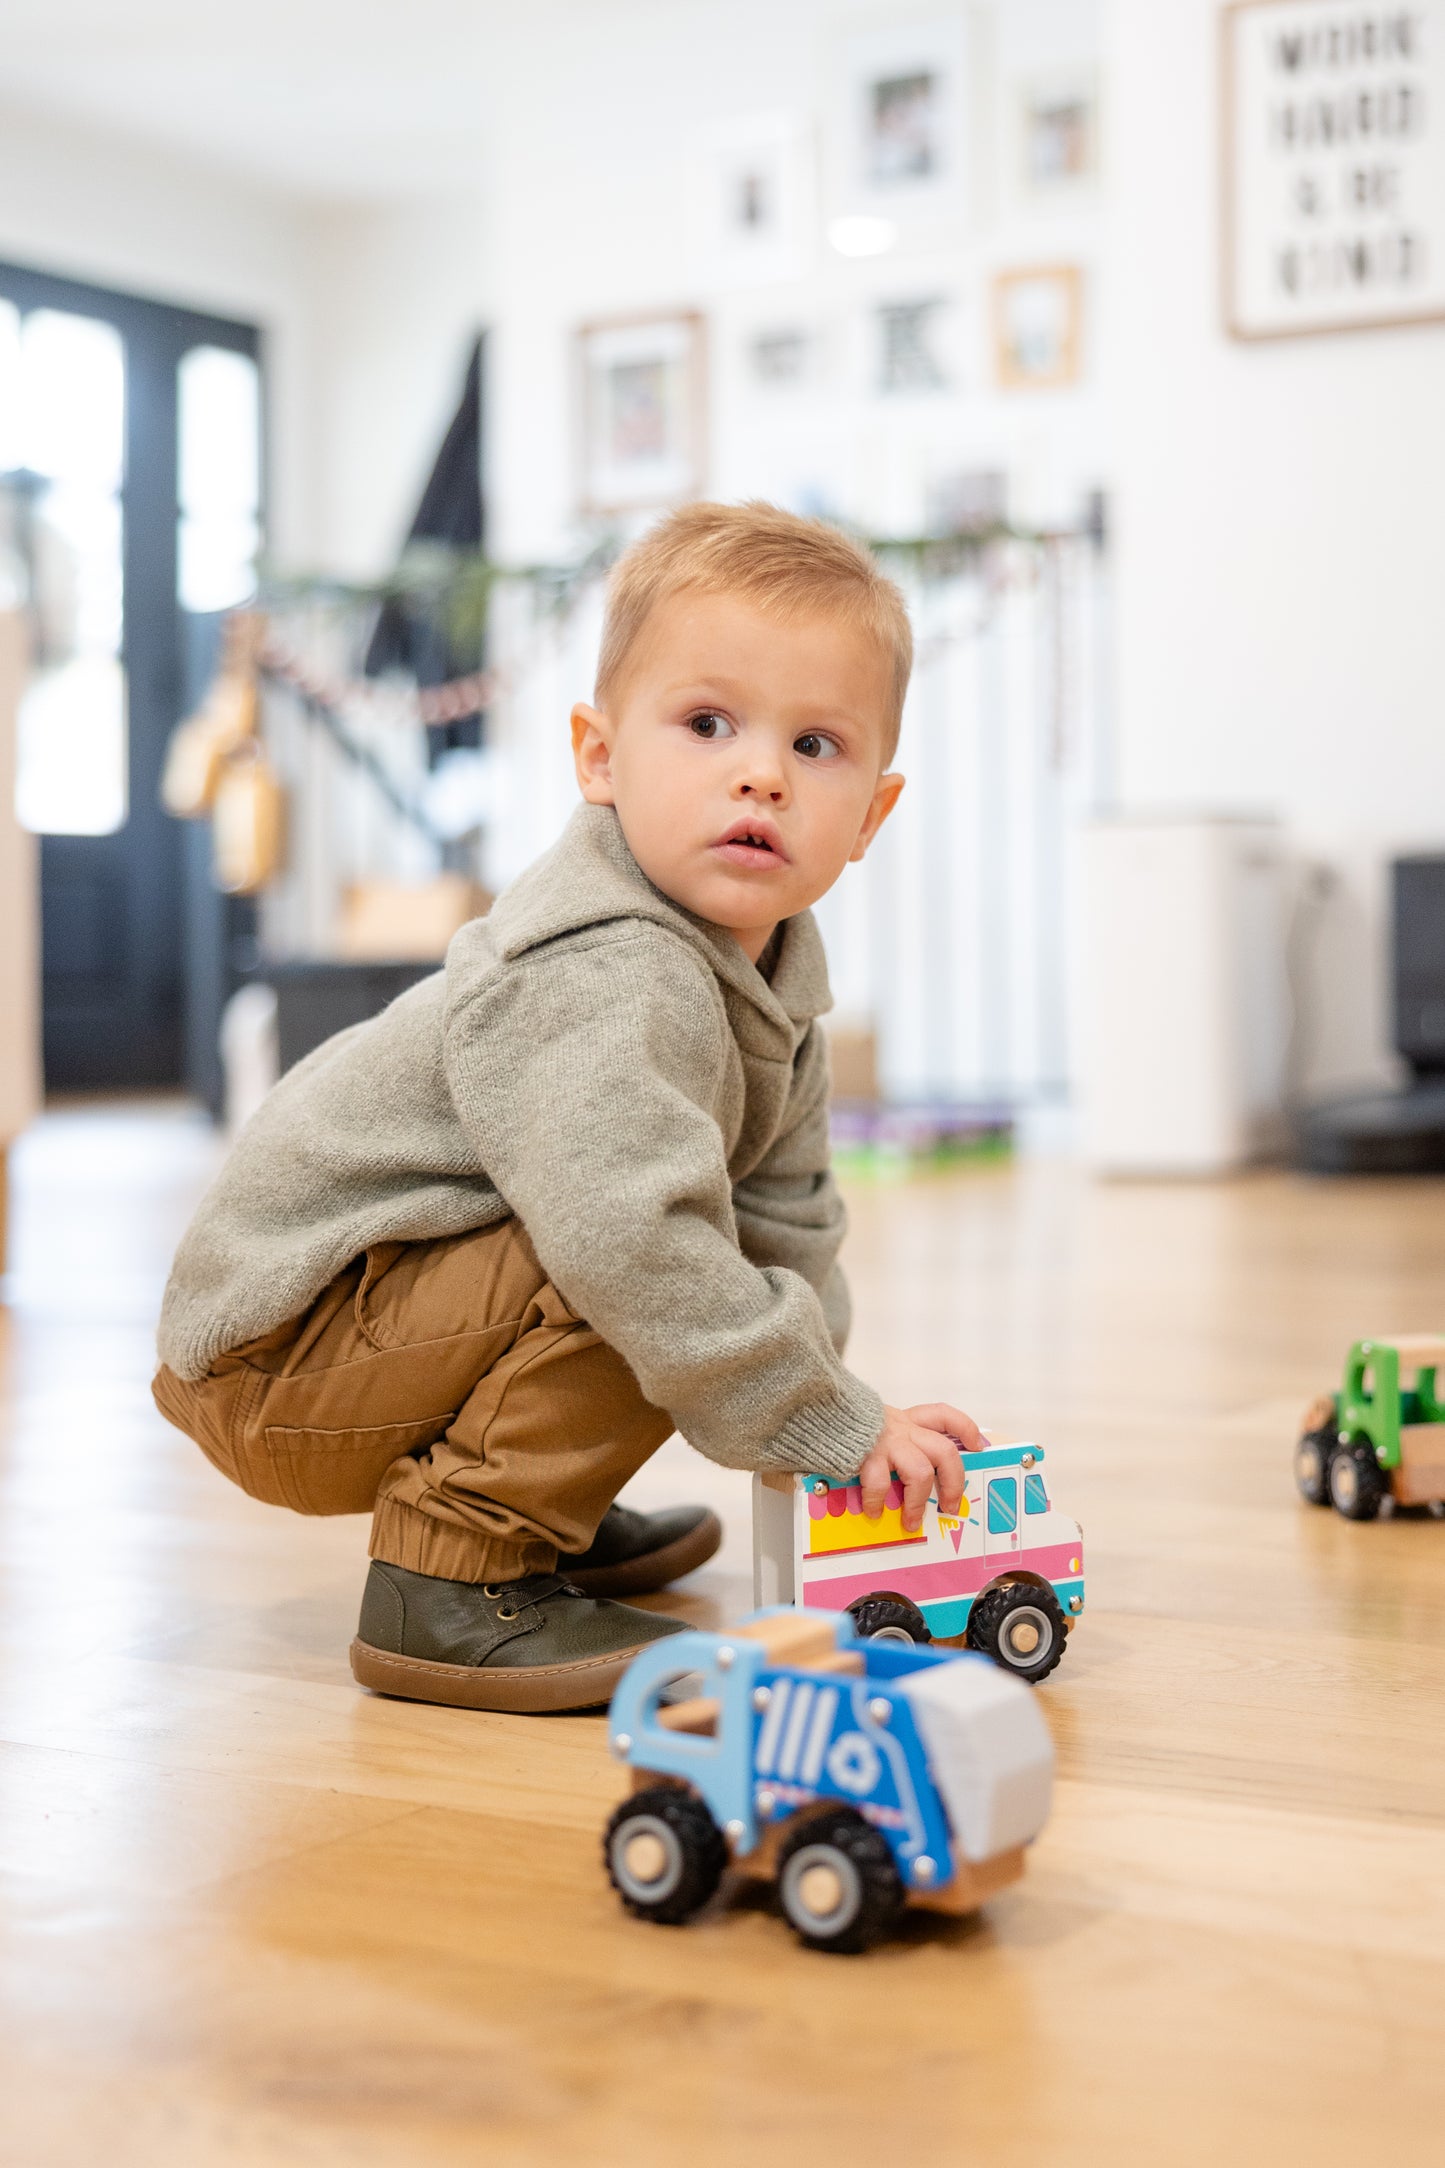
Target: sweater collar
<point x="590" y="877"/>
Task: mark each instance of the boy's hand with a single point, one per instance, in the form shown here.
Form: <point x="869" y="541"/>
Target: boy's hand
<point x="922" y="1447"/>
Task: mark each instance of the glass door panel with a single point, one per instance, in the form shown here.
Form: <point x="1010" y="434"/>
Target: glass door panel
<point x="220" y="478"/>
<point x="64" y="400"/>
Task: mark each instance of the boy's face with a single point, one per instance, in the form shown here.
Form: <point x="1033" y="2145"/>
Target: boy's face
<point x="744" y="757"/>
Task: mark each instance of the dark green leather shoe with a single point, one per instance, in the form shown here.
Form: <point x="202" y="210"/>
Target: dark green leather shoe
<point x="526" y="1645"/>
<point x="634" y="1554"/>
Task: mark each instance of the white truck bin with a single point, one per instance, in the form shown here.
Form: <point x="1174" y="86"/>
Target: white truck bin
<point x="989" y="1752"/>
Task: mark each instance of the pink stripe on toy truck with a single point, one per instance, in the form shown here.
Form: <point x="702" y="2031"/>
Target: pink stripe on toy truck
<point x="941" y="1578"/>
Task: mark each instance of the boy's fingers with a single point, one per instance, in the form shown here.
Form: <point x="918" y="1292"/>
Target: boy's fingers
<point x="917" y="1480"/>
<point x="874" y="1478"/>
<point x="953" y="1423"/>
<point x="948" y="1468"/>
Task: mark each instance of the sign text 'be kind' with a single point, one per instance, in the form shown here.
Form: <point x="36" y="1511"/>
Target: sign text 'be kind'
<point x="1334" y="165"/>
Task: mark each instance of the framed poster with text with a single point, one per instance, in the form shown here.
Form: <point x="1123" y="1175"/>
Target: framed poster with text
<point x="1334" y="165"/>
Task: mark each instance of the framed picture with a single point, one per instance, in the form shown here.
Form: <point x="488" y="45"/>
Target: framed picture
<point x="967" y="501"/>
<point x="1056" y="138"/>
<point x="781" y="357"/>
<point x="903" y="144"/>
<point x="754" y="203"/>
<point x="1038" y="325"/>
<point x="643" y="415"/>
<point x="1333" y="163"/>
<point x="912" y="348"/>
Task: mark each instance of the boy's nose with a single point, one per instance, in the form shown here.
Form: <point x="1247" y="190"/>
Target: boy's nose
<point x="762" y="778"/>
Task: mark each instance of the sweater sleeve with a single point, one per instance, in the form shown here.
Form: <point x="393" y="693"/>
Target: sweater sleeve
<point x="788" y="1208"/>
<point x="586" y="1075"/>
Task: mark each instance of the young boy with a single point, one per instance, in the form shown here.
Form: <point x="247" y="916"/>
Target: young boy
<point x="473" y="1261"/>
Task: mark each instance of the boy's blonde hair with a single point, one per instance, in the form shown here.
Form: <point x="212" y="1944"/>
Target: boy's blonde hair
<point x="786" y="565"/>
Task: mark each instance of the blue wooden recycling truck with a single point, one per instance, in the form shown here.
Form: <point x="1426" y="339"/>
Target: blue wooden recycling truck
<point x="861" y="1774"/>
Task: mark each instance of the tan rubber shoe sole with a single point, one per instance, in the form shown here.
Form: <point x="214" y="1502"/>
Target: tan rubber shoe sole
<point x="651" y="1570"/>
<point x="522" y="1689"/>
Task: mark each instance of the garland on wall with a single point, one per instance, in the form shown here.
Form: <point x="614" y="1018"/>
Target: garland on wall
<point x="217" y="764"/>
<point x="453" y="590"/>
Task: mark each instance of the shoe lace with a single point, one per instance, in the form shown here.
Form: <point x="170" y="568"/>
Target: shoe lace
<point x="532" y="1588"/>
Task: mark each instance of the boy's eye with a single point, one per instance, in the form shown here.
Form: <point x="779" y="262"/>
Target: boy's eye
<point x="814" y="746"/>
<point x="710" y="725"/>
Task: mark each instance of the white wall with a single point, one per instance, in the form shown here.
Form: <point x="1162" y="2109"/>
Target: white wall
<point x="590" y="162"/>
<point x="592" y="166"/>
<point x="397" y="295"/>
<point x="1281" y="561"/>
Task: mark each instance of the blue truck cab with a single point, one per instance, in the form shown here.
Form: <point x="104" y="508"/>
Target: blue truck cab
<point x="862" y="1774"/>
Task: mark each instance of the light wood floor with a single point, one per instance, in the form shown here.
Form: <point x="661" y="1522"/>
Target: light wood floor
<point x="253" y="1916"/>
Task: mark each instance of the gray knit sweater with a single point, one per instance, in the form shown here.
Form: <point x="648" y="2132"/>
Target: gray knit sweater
<point x="615" y="1072"/>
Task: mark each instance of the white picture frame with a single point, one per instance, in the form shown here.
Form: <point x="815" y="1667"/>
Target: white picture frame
<point x="903" y="144"/>
<point x="781" y="357"/>
<point x="916" y="343"/>
<point x="1330" y="225"/>
<point x="1053" y="139"/>
<point x="754" y="200"/>
<point x="642" y="400"/>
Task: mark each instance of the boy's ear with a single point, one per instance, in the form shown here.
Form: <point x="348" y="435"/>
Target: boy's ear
<point x="885" y="798"/>
<point x="592" y="754"/>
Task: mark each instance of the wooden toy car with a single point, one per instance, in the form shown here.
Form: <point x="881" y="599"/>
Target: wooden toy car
<point x="1006" y="1571"/>
<point x="1377" y="1438"/>
<point x="860" y="1775"/>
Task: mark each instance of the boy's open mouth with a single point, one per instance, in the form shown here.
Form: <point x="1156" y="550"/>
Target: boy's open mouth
<point x="752" y="843"/>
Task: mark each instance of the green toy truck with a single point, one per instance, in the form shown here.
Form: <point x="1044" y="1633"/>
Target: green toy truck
<point x="1378" y="1437"/>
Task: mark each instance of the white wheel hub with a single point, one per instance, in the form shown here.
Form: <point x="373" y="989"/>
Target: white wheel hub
<point x="820" y="1890"/>
<point x="645" y="1857"/>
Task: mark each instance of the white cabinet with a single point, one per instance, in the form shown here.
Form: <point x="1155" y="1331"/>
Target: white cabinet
<point x="1183" y="1003"/>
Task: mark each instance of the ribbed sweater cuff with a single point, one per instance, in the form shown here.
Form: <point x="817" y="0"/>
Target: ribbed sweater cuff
<point x="831" y="1437"/>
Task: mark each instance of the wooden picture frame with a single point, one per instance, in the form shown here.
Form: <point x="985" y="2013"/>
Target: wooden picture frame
<point x="642" y="411"/>
<point x="1319" y="227"/>
<point x="1038" y="327"/>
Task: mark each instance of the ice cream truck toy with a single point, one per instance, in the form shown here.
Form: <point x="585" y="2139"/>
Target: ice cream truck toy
<point x="859" y="1775"/>
<point x="1378" y="1437"/>
<point x="1006" y="1570"/>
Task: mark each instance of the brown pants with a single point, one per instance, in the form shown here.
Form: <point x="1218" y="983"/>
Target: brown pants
<point x="446" y="1388"/>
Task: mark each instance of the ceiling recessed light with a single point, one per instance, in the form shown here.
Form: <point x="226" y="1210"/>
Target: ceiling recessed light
<point x="862" y="236"/>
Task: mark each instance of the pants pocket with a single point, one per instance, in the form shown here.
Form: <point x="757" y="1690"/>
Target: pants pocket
<point x="330" y="1471"/>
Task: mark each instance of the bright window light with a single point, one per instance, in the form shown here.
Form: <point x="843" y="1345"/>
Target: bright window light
<point x="220" y="478"/>
<point x="62" y="398"/>
<point x="72" y="399"/>
<point x="217" y="562"/>
<point x="70" y="776"/>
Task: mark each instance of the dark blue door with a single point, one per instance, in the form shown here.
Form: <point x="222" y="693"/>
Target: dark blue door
<point x="92" y="386"/>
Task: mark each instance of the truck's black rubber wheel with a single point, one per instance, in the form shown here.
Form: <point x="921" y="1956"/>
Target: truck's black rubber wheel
<point x="837" y="1883"/>
<point x="1312" y="1465"/>
<point x="888" y="1618"/>
<point x="664" y="1854"/>
<point x="1021" y="1627"/>
<point x="1357" y="1484"/>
